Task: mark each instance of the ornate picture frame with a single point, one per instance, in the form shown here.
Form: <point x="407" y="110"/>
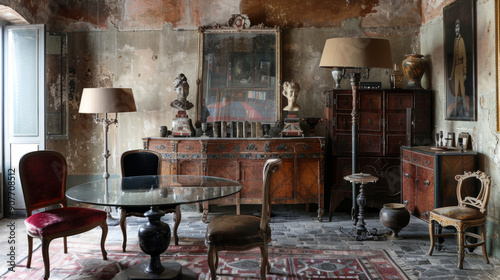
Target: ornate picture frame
<point x="497" y="38"/>
<point x="239" y="75"/>
<point x="459" y="20"/>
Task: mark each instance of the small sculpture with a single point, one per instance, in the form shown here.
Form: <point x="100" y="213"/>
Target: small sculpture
<point x="181" y="87"/>
<point x="239" y="21"/>
<point x="291" y="92"/>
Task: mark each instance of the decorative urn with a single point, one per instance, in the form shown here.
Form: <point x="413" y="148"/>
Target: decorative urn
<point x="414" y="67"/>
<point x="394" y="216"/>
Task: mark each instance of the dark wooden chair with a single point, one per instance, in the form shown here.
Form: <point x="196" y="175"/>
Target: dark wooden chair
<point x="139" y="163"/>
<point x="43" y="179"/>
<point x="243" y="232"/>
<point x="470" y="212"/>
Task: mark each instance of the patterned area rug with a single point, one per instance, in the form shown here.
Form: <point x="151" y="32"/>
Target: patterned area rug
<point x="84" y="261"/>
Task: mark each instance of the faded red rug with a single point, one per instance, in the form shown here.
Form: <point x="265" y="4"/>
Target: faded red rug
<point x="84" y="261"/>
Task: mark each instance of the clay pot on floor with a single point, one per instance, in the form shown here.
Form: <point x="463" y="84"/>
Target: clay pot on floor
<point x="394" y="216"/>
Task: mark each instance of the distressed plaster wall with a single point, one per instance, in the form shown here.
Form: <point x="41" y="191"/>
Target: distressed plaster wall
<point x="145" y="44"/>
<point x="147" y="62"/>
<point x="484" y="130"/>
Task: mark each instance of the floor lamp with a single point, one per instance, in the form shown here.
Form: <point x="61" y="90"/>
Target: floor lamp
<point x="355" y="57"/>
<point x="104" y="101"/>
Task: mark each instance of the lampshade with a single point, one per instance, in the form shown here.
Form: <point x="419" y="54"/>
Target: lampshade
<point x="356" y="53"/>
<point x="107" y="100"/>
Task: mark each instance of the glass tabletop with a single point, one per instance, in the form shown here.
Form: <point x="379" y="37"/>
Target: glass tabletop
<point x="164" y="190"/>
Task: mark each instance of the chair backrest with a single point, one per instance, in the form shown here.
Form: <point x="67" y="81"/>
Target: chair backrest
<point x="43" y="179"/>
<point x="270" y="167"/>
<point x="140" y="162"/>
<point x="481" y="200"/>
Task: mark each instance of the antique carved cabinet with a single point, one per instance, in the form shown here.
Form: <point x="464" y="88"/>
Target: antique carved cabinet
<point x="299" y="179"/>
<point x="428" y="177"/>
<point x="388" y="119"/>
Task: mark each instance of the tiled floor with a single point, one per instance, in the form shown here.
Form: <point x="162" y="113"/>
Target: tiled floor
<point x="292" y="227"/>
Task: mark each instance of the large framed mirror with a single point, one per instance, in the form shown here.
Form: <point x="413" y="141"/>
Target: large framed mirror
<point x="239" y="75"/>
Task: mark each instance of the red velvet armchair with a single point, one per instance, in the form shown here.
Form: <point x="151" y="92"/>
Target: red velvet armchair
<point x="43" y="179"/>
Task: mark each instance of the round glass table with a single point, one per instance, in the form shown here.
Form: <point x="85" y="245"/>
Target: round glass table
<point x="155" y="192"/>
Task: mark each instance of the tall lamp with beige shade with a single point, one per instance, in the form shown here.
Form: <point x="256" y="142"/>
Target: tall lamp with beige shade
<point x="104" y="101"/>
<point x="355" y="57"/>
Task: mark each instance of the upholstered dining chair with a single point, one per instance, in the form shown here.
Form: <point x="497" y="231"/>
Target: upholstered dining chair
<point x="470" y="212"/>
<point x="140" y="163"/>
<point x="243" y="232"/>
<point x="43" y="180"/>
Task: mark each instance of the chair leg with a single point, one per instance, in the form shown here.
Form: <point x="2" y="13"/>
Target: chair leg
<point x="213" y="259"/>
<point x="177" y="219"/>
<point x="431" y="234"/>
<point x="264" y="264"/>
<point x="30" y="251"/>
<point x="483" y="236"/>
<point x="460" y="243"/>
<point x="330" y="208"/>
<point x="65" y="241"/>
<point x="45" y="257"/>
<point x="104" y="228"/>
<point x="123" y="226"/>
<point x="216" y="265"/>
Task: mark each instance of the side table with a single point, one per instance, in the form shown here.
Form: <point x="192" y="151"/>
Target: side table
<point x="359" y="232"/>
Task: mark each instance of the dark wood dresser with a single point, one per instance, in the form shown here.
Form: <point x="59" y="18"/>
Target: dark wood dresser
<point x="299" y="179"/>
<point x="428" y="177"/>
<point x="388" y="119"/>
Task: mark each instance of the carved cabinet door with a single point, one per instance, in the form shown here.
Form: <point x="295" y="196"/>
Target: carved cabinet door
<point x="425" y="192"/>
<point x="308" y="176"/>
<point x="282" y="183"/>
<point x="409" y="188"/>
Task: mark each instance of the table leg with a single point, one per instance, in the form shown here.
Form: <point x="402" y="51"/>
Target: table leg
<point x="360" y="232"/>
<point x="154" y="239"/>
<point x="361" y="200"/>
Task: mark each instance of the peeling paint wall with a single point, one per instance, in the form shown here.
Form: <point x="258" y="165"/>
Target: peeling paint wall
<point x="485" y="138"/>
<point x="146" y="44"/>
<point x="145" y="61"/>
<point x="327" y="14"/>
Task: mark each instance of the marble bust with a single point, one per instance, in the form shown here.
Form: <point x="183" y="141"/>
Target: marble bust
<point x="291" y="92"/>
<point x="181" y="87"/>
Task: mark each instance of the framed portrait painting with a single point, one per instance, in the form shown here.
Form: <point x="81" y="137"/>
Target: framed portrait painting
<point x="459" y="19"/>
<point x="242" y="70"/>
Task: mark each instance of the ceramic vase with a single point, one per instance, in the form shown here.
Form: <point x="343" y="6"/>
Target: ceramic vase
<point x="414" y="67"/>
<point x="394" y="216"/>
<point x="163" y="131"/>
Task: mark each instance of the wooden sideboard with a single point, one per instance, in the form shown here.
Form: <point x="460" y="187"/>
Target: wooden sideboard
<point x="388" y="119"/>
<point x="428" y="177"/>
<point x="298" y="181"/>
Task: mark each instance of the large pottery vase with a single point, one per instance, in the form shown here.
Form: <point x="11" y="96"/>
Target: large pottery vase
<point x="414" y="67"/>
<point x="394" y="216"/>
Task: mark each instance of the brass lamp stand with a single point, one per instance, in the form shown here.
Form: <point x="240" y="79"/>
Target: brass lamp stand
<point x="107" y="100"/>
<point x="355" y="56"/>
